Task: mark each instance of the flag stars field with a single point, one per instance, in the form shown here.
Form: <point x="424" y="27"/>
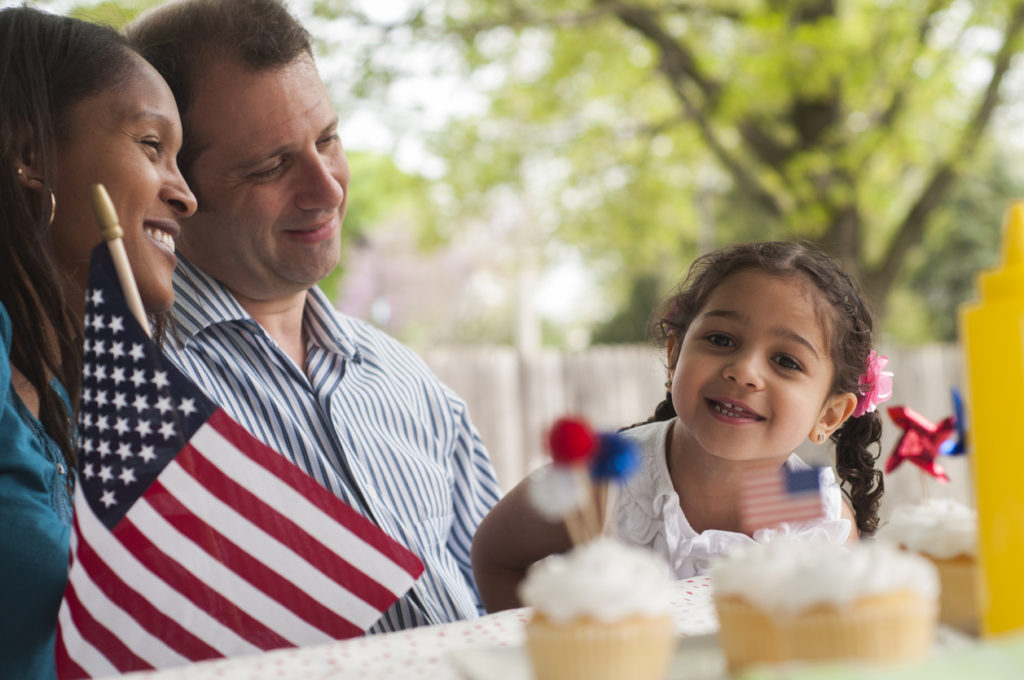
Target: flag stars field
<point x="137" y="352"/>
<point x="130" y="417"/>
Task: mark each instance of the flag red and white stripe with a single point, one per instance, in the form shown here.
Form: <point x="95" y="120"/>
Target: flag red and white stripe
<point x="770" y="496"/>
<point x="193" y="540"/>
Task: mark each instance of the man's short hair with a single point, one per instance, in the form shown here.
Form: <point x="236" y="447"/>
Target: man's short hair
<point x="179" y="37"/>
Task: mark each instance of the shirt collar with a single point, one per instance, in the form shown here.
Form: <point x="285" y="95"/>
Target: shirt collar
<point x="201" y="301"/>
<point x="327" y="328"/>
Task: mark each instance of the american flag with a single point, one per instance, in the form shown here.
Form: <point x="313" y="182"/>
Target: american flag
<point x="192" y="540"/>
<point x="771" y="496"/>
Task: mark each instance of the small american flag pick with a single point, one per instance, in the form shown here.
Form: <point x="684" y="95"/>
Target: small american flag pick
<point x="772" y="495"/>
<point x="192" y="540"/>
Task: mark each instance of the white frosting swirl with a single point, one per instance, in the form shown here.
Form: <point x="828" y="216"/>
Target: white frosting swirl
<point x="604" y="579"/>
<point x="939" y="527"/>
<point x="790" y="576"/>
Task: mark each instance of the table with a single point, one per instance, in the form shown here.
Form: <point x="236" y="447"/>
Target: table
<point x="421" y="653"/>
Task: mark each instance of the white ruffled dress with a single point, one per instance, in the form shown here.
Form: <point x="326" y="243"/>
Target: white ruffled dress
<point x="648" y="512"/>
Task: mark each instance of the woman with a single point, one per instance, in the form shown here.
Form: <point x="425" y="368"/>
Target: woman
<point x="77" y="106"/>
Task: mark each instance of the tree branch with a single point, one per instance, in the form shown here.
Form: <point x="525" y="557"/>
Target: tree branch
<point x="890" y="112"/>
<point x="521" y="17"/>
<point x="676" y="61"/>
<point x="680" y="67"/>
<point x="885" y="118"/>
<point x="913" y="226"/>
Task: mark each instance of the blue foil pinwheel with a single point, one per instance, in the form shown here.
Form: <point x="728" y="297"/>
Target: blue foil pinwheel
<point x="957" y="444"/>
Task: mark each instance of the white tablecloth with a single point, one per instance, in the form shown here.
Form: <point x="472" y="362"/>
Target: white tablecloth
<point x="427" y="653"/>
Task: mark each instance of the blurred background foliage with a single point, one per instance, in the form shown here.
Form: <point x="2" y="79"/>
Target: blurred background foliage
<point x="543" y="171"/>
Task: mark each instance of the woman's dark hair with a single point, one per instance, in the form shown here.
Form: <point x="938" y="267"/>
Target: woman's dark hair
<point x="849" y="344"/>
<point x="48" y="64"/>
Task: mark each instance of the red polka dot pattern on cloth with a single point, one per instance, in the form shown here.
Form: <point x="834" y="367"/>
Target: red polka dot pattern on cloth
<point x="419" y="653"/>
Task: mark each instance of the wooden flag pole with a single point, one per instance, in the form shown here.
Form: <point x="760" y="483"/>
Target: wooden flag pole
<point x="111" y="230"/>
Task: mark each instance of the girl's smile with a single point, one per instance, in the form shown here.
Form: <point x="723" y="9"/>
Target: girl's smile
<point x="731" y="411"/>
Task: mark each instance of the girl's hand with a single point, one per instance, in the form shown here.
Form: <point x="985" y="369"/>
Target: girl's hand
<point x="510" y="538"/>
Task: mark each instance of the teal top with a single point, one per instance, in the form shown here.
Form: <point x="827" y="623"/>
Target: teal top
<point x="35" y="527"/>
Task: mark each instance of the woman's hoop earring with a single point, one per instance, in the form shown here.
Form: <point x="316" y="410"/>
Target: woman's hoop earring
<point x="53" y="196"/>
<point x="53" y="207"/>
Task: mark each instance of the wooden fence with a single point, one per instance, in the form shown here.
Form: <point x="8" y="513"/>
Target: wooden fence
<point x="514" y="398"/>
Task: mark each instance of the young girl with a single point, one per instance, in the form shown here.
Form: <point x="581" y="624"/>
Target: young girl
<point x="768" y="343"/>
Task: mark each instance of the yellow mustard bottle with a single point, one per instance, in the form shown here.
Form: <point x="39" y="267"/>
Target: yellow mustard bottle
<point x="992" y="340"/>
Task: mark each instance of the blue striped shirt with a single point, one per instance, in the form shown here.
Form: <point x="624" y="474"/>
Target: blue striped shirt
<point x="367" y="419"/>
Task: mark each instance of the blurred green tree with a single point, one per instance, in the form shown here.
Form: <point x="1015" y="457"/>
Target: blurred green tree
<point x="647" y="130"/>
<point x="116" y="13"/>
<point x="943" y="269"/>
<point x="644" y="131"/>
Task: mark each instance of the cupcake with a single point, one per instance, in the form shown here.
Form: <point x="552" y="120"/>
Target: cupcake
<point x="799" y="601"/>
<point x="600" y="612"/>
<point x="946" y="533"/>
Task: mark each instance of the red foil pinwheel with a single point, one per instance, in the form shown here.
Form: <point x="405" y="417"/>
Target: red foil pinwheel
<point x="920" y="441"/>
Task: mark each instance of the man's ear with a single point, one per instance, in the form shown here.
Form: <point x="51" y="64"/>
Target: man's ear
<point x="834" y="413"/>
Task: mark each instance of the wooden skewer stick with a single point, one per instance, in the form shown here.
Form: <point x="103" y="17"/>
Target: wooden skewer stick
<point x="600" y="500"/>
<point x="574" y="525"/>
<point x="610" y="494"/>
<point x="112" y="233"/>
<point x="590" y="516"/>
<point x="924" y="486"/>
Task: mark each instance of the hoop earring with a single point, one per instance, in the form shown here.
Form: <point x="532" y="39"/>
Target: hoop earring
<point x="821" y="437"/>
<point x="53" y="207"/>
<point x="53" y="197"/>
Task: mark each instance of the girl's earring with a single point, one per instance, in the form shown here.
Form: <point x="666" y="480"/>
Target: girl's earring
<point x="821" y="437"/>
<point x="668" y="384"/>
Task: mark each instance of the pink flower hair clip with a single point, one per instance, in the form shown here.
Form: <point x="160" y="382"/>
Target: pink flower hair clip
<point x="875" y="385"/>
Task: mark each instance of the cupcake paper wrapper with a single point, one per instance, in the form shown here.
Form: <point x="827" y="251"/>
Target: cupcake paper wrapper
<point x="886" y="628"/>
<point x="958" y="601"/>
<point x="637" y="648"/>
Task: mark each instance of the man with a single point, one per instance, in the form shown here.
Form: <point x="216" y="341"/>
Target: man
<point x="351" y="406"/>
